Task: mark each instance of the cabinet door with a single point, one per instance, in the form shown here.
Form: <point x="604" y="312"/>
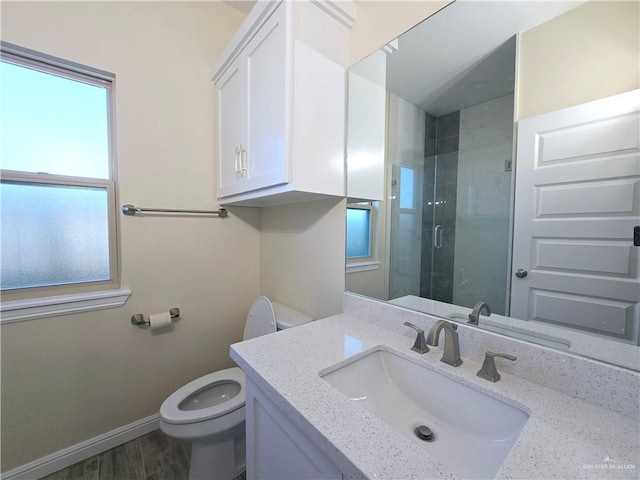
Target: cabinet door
<point x="266" y="158"/>
<point x="276" y="448"/>
<point x="231" y="128"/>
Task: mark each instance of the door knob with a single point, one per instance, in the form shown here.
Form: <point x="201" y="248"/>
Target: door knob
<point x="521" y="273"/>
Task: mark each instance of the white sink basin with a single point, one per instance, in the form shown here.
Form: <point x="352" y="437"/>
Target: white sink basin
<point x="472" y="432"/>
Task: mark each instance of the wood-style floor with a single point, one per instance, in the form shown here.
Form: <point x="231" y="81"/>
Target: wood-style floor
<point x="154" y="456"/>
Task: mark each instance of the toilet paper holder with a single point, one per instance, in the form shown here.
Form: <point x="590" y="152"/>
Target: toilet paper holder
<point x="138" y="318"/>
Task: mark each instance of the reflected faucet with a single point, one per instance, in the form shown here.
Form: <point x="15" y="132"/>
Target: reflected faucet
<point x="474" y="316"/>
<point x="451" y="355"/>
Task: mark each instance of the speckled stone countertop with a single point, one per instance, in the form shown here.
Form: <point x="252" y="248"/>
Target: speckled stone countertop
<point x="565" y="437"/>
<point x="577" y="342"/>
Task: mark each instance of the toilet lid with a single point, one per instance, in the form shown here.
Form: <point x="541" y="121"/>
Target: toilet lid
<point x="172" y="412"/>
<point x="261" y="319"/>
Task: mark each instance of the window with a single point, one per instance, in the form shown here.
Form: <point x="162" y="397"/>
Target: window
<point x="359" y="230"/>
<point x="407" y="188"/>
<point x="57" y="187"/>
<point x="361" y="237"/>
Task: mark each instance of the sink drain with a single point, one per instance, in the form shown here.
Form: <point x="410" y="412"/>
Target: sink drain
<point x="424" y="433"/>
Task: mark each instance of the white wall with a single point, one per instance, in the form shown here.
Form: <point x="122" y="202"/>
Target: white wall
<point x="588" y="53"/>
<point x="56" y="373"/>
<point x="302" y="255"/>
<point x="67" y="379"/>
<point x="379" y="22"/>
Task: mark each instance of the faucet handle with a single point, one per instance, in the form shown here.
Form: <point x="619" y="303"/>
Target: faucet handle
<point x="420" y="345"/>
<point x="489" y="370"/>
<point x="417" y="329"/>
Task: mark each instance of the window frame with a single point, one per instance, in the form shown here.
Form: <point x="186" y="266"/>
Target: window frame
<point x="47" y="64"/>
<point x="370" y="262"/>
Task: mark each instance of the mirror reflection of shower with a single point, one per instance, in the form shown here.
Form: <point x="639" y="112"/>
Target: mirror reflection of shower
<point x="449" y="164"/>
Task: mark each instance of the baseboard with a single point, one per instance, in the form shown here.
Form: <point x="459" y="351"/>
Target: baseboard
<point x="81" y="451"/>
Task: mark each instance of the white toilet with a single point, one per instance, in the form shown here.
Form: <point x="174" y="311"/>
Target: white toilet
<point x="209" y="411"/>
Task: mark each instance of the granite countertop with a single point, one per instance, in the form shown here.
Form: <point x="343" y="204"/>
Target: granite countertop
<point x="565" y="437"/>
<point x="572" y="341"/>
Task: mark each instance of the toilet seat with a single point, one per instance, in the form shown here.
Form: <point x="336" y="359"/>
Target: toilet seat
<point x="171" y="413"/>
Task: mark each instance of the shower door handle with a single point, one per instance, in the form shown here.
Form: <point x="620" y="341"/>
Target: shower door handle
<point x="437" y="236"/>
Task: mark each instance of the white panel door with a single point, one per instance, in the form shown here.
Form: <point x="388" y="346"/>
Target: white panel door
<point x="231" y="126"/>
<point x="577" y="200"/>
<point x="267" y="104"/>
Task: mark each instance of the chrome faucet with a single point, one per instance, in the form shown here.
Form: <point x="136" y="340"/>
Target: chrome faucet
<point x="474" y="316"/>
<point x="451" y="355"/>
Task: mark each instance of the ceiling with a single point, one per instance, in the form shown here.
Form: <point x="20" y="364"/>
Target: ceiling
<point x="244" y="6"/>
<point x="463" y="55"/>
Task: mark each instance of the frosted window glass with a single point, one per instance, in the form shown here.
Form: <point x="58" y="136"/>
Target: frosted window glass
<point x="407" y="184"/>
<point x="53" y="235"/>
<point x="358" y="232"/>
<point x="52" y="124"/>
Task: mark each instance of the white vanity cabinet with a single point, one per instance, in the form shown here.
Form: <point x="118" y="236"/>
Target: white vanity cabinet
<point x="277" y="448"/>
<point x="281" y="87"/>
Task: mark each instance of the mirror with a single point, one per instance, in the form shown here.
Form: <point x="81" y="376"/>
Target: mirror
<point x="433" y="170"/>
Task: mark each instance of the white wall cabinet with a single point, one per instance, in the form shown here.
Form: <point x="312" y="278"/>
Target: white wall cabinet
<point x="282" y="104"/>
<point x="367" y="128"/>
<point x="252" y="100"/>
<point x="277" y="448"/>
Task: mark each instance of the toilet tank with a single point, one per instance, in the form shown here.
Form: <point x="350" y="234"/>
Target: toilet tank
<point x="288" y="317"/>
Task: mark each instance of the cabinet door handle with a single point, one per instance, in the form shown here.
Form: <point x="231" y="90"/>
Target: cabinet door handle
<point x="242" y="167"/>
<point x="238" y="160"/>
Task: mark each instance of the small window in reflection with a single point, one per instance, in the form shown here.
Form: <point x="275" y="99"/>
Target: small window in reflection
<point x="359" y="230"/>
<point x="407" y="188"/>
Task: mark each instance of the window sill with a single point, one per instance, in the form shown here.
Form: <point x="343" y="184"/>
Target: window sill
<point x="23" y="310"/>
<point x="357" y="267"/>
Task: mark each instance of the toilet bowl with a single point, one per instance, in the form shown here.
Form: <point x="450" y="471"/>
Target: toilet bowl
<point x="210" y="411"/>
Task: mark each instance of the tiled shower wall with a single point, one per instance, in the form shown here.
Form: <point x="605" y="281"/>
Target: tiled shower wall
<point x="481" y="269"/>
<point x="441" y="175"/>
